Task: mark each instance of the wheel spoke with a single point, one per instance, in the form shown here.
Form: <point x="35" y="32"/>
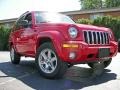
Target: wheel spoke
<point x="44" y="68"/>
<point x="53" y="59"/>
<point x="42" y="62"/>
<point x="47" y="61"/>
<point x="44" y="55"/>
<point x="49" y="54"/>
<point x="52" y="66"/>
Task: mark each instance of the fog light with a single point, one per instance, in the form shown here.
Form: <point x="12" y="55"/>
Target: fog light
<point x="72" y="55"/>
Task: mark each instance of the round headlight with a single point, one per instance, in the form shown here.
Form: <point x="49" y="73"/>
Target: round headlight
<point x="73" y="32"/>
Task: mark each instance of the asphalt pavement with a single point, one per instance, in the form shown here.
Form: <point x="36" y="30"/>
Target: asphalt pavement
<point x="80" y="77"/>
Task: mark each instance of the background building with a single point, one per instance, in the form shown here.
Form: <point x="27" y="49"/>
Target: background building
<point x="8" y="23"/>
<point x="94" y="13"/>
<point x="75" y="15"/>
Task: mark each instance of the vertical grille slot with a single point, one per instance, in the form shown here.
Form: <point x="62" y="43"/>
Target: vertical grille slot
<point x="85" y="35"/>
<point x="95" y="37"/>
<point x="90" y="37"/>
<point x="98" y="36"/>
<point x="102" y="40"/>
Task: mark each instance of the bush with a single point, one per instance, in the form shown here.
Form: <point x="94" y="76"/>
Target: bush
<point x="4" y="36"/>
<point x="109" y="22"/>
<point x="84" y="21"/>
<point x="105" y="21"/>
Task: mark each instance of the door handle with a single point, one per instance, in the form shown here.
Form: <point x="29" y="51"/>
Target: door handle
<point x="18" y="38"/>
<point x="35" y="30"/>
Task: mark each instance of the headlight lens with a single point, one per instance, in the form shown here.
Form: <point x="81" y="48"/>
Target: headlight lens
<point x="73" y="32"/>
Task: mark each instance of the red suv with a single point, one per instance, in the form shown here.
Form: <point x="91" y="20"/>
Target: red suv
<point x="57" y="42"/>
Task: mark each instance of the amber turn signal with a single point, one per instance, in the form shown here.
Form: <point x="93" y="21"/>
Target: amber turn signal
<point x="70" y="45"/>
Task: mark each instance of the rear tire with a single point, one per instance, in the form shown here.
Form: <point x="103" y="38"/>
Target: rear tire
<point x="15" y="57"/>
<point x="70" y="65"/>
<point x="48" y="62"/>
<point x="105" y="63"/>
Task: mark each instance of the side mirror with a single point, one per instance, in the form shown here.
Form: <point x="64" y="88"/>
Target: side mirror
<point x="24" y="23"/>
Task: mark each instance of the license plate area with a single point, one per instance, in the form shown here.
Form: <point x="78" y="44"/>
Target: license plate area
<point x="103" y="52"/>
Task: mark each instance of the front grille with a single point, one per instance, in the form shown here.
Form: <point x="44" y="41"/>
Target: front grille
<point x="96" y="37"/>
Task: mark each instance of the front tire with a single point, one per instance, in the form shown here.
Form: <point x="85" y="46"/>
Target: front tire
<point x="15" y="57"/>
<point x="48" y="62"/>
<point x="105" y="63"/>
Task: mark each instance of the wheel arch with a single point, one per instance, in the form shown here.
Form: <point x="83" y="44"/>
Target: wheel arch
<point x="42" y="40"/>
<point x="54" y="37"/>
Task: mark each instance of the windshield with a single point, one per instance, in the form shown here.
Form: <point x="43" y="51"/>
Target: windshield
<point x="52" y="17"/>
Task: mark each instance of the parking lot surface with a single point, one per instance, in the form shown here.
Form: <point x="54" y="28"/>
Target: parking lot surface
<point x="26" y="77"/>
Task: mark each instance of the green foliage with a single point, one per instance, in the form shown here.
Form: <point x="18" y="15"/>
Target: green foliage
<point x="4" y="36"/>
<point x="112" y="3"/>
<point x="109" y="22"/>
<point x="84" y="21"/>
<point x="97" y="4"/>
<point x="91" y="4"/>
<point x="105" y="21"/>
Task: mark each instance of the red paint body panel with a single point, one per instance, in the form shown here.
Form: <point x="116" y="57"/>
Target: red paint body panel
<point x="26" y="41"/>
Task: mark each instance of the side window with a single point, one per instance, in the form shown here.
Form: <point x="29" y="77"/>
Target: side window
<point x="39" y="18"/>
<point x="28" y="17"/>
<point x="17" y="24"/>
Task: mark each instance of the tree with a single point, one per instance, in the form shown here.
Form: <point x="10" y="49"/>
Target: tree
<point x="97" y="4"/>
<point x="112" y="3"/>
<point x="4" y="36"/>
<point x="91" y="4"/>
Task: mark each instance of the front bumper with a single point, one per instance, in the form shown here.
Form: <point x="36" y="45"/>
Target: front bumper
<point x="86" y="53"/>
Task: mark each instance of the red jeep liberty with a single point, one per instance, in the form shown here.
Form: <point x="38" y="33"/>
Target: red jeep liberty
<point x="57" y="42"/>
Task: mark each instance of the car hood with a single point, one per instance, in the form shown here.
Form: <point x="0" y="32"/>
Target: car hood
<point x="78" y="26"/>
<point x="91" y="27"/>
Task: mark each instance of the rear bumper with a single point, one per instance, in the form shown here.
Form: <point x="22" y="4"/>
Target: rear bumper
<point x="86" y="53"/>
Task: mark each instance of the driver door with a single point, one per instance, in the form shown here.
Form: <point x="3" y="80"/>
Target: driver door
<point x="28" y="36"/>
